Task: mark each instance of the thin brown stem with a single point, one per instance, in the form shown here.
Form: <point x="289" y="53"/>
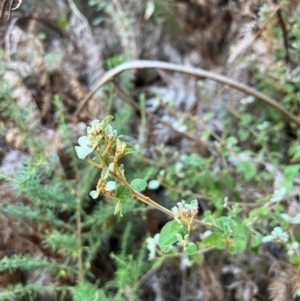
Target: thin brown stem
<point x="78" y="235"/>
<point x="107" y="148"/>
<point x="101" y="158"/>
<point x="141" y="197"/>
<point x="88" y="159"/>
<point x="140" y="64"/>
<point x="201" y="251"/>
<point x="79" y="230"/>
<point x="284" y="33"/>
<point x="3" y="8"/>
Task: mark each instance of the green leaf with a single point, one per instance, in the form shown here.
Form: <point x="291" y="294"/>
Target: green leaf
<point x="129" y="149"/>
<point x="256" y="241"/>
<point x="114" y="133"/>
<point x="246" y="120"/>
<point x="183" y="231"/>
<point x="194" y="204"/>
<point x="244" y="134"/>
<point x="98" y="139"/>
<point x="248" y="169"/>
<point x="287" y="185"/>
<point x="294" y="259"/>
<point x="194" y="160"/>
<point x="220" y="241"/>
<point x="109" y="129"/>
<point x="173" y="195"/>
<point x="291" y="171"/>
<point x="138" y="184"/>
<point x="94" y="194"/>
<point x="208" y="217"/>
<point x="179" y="236"/>
<point x="240" y="242"/>
<point x="190" y="249"/>
<point x="83" y="151"/>
<point x="167" y="235"/>
<point x="63" y="22"/>
<point x="83" y="140"/>
<point x="261" y="212"/>
<point x="88" y="292"/>
<point x="106" y="121"/>
<point x="225" y="223"/>
<point x="297" y="292"/>
<point x="110" y="186"/>
<point x="119" y="208"/>
<point x="104" y="173"/>
<point x="207" y="213"/>
<point x="231" y="141"/>
<point x="209" y="238"/>
<point x="208" y="116"/>
<point x="267" y="238"/>
<point x="278" y="194"/>
<point x="232" y="249"/>
<point x="286" y="217"/>
<point x="122" y="193"/>
<point x="95" y="123"/>
<point x="296" y="219"/>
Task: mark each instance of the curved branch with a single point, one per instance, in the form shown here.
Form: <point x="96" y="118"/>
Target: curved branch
<point x="141" y="64"/>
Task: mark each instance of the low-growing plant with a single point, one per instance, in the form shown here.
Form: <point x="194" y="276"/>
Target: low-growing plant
<point x="226" y="229"/>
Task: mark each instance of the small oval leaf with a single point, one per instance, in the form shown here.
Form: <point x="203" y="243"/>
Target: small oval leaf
<point x="119" y="208"/>
<point x="267" y="238"/>
<point x="95" y="123"/>
<point x="122" y="192"/>
<point x="83" y="140"/>
<point x="167" y="235"/>
<point x="138" y="184"/>
<point x="83" y="151"/>
<point x="94" y="194"/>
<point x="232" y="249"/>
<point x="190" y="249"/>
<point x="296" y="220"/>
<point x="110" y="186"/>
<point x="104" y="173"/>
<point x="129" y="149"/>
<point x="106" y="121"/>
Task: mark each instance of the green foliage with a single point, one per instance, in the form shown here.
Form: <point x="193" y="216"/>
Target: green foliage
<point x="71" y="244"/>
<point x="168" y="235"/>
<point x="243" y="187"/>
<point x="63" y="242"/>
<point x="129" y="269"/>
<point x="27" y="291"/>
<point x="88" y="291"/>
<point x="229" y="231"/>
<point x="102" y="139"/>
<point x="138" y="184"/>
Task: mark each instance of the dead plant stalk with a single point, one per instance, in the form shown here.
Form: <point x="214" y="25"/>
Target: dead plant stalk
<point x="143" y="64"/>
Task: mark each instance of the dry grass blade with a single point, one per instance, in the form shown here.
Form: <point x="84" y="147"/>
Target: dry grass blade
<point x="8" y="5"/>
<point x="143" y="64"/>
